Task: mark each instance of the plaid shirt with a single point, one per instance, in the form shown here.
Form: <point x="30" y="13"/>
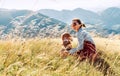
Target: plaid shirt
<point x="82" y="36"/>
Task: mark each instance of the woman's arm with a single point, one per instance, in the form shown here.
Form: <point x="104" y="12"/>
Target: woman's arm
<point x="81" y="38"/>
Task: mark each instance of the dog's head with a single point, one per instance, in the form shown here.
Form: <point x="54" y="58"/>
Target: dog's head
<point x="66" y="39"/>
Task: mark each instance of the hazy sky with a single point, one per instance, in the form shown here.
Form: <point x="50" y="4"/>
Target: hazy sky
<point x="95" y="5"/>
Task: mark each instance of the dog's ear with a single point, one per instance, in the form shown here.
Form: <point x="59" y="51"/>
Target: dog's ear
<point x="62" y="36"/>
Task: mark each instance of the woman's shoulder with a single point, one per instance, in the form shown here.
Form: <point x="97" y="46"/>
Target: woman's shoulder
<point x="84" y="31"/>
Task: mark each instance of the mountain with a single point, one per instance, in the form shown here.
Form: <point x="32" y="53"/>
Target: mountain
<point x="107" y="20"/>
<point x="52" y="23"/>
<point x="34" y="25"/>
<point x="7" y="15"/>
<point x="67" y="15"/>
<point x="111" y="16"/>
<point x="111" y="20"/>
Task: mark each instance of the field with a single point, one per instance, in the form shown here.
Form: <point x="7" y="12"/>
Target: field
<point x="40" y="57"/>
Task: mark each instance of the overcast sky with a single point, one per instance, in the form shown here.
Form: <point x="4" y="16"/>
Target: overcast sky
<point x="94" y="5"/>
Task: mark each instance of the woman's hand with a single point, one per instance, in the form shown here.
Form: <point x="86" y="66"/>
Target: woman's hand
<point x="72" y="51"/>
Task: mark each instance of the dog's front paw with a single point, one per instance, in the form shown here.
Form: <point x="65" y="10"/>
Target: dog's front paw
<point x="64" y="54"/>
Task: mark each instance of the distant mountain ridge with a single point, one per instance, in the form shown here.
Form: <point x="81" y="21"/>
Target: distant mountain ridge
<point x="89" y="17"/>
<point x="107" y="20"/>
<point x="68" y="15"/>
<point x="111" y="16"/>
<point x="7" y="15"/>
<point x="35" y="25"/>
<point x="52" y="23"/>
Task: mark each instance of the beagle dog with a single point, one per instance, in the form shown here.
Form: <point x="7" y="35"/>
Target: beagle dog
<point x="66" y="42"/>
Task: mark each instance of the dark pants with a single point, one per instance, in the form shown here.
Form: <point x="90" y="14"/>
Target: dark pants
<point x="88" y="51"/>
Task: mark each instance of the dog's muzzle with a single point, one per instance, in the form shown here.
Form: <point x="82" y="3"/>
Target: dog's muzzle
<point x="67" y="45"/>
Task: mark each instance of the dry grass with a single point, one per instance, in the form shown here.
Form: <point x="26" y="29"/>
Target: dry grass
<point x="40" y="57"/>
<point x="109" y="45"/>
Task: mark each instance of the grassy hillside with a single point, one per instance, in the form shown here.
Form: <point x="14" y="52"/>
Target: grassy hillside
<point x="40" y="57"/>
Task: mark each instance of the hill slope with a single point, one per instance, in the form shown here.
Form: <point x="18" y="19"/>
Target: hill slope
<point x="34" y="24"/>
<point x="67" y="15"/>
<point x="107" y="20"/>
<point x="7" y="15"/>
<point x="40" y="57"/>
<point x="25" y="23"/>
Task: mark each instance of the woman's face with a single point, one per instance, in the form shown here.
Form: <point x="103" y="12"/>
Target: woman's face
<point x="75" y="25"/>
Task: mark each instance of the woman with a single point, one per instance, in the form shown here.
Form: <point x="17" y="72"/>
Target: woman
<point x="86" y="45"/>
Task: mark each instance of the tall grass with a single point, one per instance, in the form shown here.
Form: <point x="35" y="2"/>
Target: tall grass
<point x="40" y="57"/>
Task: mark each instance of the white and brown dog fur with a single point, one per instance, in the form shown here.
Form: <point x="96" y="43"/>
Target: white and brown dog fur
<point x="66" y="43"/>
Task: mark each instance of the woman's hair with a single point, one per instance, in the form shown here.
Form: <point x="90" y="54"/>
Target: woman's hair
<point x="79" y="22"/>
